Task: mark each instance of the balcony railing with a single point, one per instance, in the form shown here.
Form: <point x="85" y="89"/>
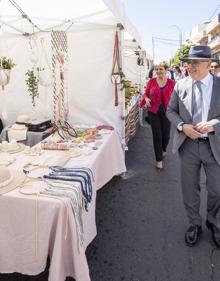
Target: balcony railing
<point x="213" y="24"/>
<point x="214" y="42"/>
<point x="201" y="35"/>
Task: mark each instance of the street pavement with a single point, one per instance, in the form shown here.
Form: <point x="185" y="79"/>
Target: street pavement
<point x="141" y="224"/>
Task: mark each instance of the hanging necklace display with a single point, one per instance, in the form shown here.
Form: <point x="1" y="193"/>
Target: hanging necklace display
<point x="64" y="130"/>
<point x="59" y="69"/>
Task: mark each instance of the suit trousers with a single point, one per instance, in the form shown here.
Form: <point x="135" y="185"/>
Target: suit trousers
<point x="160" y="126"/>
<point x="1" y="126"/>
<point x="193" y="155"/>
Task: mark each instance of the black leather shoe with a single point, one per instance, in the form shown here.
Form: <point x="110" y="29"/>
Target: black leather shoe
<point x="193" y="235"/>
<point x="215" y="233"/>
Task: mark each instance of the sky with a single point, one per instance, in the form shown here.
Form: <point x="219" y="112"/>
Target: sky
<point x="168" y="19"/>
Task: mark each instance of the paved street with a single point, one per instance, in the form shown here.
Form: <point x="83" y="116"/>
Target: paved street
<point x="141" y="223"/>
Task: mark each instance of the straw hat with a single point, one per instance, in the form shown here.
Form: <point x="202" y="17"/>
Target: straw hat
<point x="9" y="180"/>
<point x="23" y="118"/>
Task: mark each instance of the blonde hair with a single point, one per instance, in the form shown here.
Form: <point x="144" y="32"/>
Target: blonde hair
<point x="163" y="64"/>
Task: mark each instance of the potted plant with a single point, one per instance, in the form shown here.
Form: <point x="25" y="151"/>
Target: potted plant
<point x="6" y="64"/>
<point x="32" y="82"/>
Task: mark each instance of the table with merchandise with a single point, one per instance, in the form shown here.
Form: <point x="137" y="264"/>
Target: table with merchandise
<point x="51" y="212"/>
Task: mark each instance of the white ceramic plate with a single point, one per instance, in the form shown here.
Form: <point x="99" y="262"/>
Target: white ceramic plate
<point x="19" y="147"/>
<point x="6" y="159"/>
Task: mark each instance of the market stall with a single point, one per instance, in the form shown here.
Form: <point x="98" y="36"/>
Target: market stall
<point x="66" y="65"/>
<point x="86" y="39"/>
<point x="136" y="66"/>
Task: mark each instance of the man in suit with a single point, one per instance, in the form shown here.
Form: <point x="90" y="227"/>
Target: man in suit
<point x="194" y="110"/>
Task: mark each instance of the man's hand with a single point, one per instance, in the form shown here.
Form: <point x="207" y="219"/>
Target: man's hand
<point x="204" y="127"/>
<point x="147" y="100"/>
<point x="190" y="131"/>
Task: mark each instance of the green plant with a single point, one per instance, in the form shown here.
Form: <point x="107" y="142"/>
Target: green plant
<point x="32" y="82"/>
<point x="6" y="63"/>
<point x="183" y="52"/>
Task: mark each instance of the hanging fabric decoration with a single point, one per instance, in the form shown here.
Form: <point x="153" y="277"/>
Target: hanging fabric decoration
<point x="116" y="68"/>
<point x="44" y="68"/>
<point x="59" y="70"/>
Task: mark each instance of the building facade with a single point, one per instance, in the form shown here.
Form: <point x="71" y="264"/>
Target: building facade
<point x="207" y="34"/>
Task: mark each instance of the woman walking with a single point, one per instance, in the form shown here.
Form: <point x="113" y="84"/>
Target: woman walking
<point x="177" y="73"/>
<point x="156" y="99"/>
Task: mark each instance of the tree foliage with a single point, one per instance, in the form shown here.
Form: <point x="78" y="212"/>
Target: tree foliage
<point x="182" y="52"/>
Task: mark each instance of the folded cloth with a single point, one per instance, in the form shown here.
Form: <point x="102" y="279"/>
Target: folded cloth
<point x="62" y="189"/>
<point x="18" y="135"/>
<point x="83" y="176"/>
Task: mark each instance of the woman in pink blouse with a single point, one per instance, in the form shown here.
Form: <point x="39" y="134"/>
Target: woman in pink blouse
<point x="156" y="99"/>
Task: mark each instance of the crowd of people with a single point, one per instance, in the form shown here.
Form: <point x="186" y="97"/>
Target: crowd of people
<point x="160" y="85"/>
<point x="174" y="72"/>
<point x="177" y="72"/>
<point x="188" y="97"/>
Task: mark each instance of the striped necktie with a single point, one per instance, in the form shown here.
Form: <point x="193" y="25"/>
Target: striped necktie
<point x="197" y="103"/>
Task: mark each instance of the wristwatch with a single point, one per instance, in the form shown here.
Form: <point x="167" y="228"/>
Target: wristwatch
<point x="180" y="126"/>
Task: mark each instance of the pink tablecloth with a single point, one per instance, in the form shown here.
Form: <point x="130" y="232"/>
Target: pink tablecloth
<point x="19" y="238"/>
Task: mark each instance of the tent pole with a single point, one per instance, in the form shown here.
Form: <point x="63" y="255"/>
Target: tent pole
<point x="11" y="26"/>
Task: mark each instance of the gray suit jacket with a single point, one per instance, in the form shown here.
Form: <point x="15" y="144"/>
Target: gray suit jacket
<point x="180" y="110"/>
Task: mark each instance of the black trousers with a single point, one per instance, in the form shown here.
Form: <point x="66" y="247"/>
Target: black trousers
<point x="1" y="126"/>
<point x="160" y="126"/>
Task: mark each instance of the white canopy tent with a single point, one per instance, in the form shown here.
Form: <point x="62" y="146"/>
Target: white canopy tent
<point x="135" y="63"/>
<point x="91" y="26"/>
<point x="45" y="13"/>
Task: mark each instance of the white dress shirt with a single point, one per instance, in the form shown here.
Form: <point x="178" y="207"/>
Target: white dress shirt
<point x="206" y="85"/>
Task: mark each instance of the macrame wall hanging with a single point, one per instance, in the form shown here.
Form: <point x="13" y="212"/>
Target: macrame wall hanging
<point x="59" y="70"/>
<point x="117" y="73"/>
